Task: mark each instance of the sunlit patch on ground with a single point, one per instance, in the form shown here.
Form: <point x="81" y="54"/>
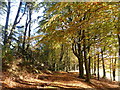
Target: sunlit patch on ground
<point x="53" y="80"/>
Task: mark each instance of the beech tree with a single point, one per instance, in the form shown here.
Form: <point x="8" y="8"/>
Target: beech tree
<point x="71" y="35"/>
<point x="73" y="21"/>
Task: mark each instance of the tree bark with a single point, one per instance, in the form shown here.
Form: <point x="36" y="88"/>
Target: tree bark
<point x="111" y="68"/>
<point x="61" y="56"/>
<point x="103" y="64"/>
<point x="85" y="58"/>
<point x="95" y="66"/>
<point x="25" y="33"/>
<point x="118" y="29"/>
<point x="98" y="68"/>
<point x="15" y="23"/>
<point x="94" y="61"/>
<point x="89" y="62"/>
<point x="29" y="32"/>
<point x="80" y="59"/>
<point x="89" y="65"/>
<point x="6" y="24"/>
<point x="81" y="70"/>
<point x="114" y="69"/>
<point x="61" y="53"/>
<point x="77" y="50"/>
<point x="118" y="47"/>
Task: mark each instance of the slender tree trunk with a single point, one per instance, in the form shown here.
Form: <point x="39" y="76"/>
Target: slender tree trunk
<point x="61" y="57"/>
<point x="94" y="60"/>
<point x="95" y="66"/>
<point x="111" y="68"/>
<point x="89" y="64"/>
<point x="6" y="24"/>
<point x="114" y="69"/>
<point x="98" y="68"/>
<point x="85" y="59"/>
<point x="118" y="47"/>
<point x="103" y="64"/>
<point x="89" y="57"/>
<point x="29" y="32"/>
<point x="118" y="29"/>
<point x="25" y="33"/>
<point x="15" y="23"/>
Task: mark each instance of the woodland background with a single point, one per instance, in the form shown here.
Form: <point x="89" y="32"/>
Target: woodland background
<point x="61" y="36"/>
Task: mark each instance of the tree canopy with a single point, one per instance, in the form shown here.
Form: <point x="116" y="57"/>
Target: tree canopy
<point x="83" y="36"/>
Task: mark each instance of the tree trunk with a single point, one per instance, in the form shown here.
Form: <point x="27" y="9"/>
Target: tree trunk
<point x="118" y="47"/>
<point x="80" y="61"/>
<point x="15" y="23"/>
<point x="103" y="64"/>
<point x="80" y="57"/>
<point x="6" y="24"/>
<point x="61" y="57"/>
<point x="76" y="48"/>
<point x="118" y="29"/>
<point x="89" y="64"/>
<point x="95" y="66"/>
<point x="25" y="34"/>
<point x="98" y="68"/>
<point x="114" y="69"/>
<point x="94" y="61"/>
<point x="111" y="68"/>
<point x="85" y="59"/>
<point x="81" y="70"/>
<point x="29" y="32"/>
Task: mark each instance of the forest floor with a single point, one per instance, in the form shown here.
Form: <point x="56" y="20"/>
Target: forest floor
<point x="53" y="81"/>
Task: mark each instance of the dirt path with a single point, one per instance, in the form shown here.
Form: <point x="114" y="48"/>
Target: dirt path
<point x="53" y="80"/>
